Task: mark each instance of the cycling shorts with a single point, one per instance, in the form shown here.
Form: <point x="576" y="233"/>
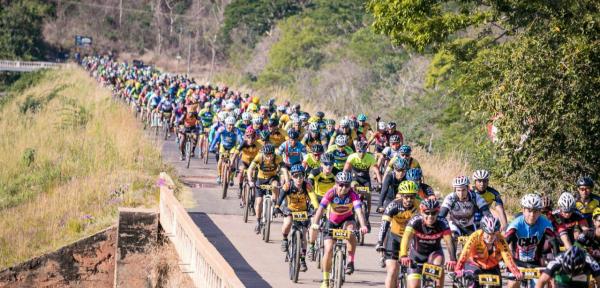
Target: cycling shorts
<point x="261" y="192"/>
<point x="471" y="269"/>
<point x="418" y="260"/>
<point x="330" y="225"/>
<point x="522" y="264"/>
<point x="392" y="246"/>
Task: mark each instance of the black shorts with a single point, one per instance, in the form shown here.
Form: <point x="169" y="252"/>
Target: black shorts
<point x="392" y="246"/>
<point x="362" y="180"/>
<point x="330" y="225"/>
<point x="419" y="259"/>
<point x="287" y="212"/>
<point x="474" y="270"/>
<point x="261" y="192"/>
<point x="244" y="165"/>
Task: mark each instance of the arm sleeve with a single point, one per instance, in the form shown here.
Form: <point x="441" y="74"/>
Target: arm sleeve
<point x="506" y="255"/>
<point x="385" y="226"/>
<point x="282" y="196"/>
<point x="407" y="237"/>
<point x="466" y="252"/>
<point x="384" y="189"/>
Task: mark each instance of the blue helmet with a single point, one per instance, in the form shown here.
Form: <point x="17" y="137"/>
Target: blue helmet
<point x="401" y="164"/>
<point x="293" y="134"/>
<point x="414" y="174"/>
<point x="405" y="149"/>
<point x="297" y="169"/>
<point x="362" y="117"/>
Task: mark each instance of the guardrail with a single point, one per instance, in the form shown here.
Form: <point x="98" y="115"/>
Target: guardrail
<point x="198" y="256"/>
<point x="8" y="65"/>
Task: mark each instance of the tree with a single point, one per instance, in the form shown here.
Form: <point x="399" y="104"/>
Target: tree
<point x="21" y="29"/>
<point x="532" y="65"/>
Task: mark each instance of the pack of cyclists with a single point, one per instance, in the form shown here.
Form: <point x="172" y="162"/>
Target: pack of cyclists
<point x="330" y="169"/>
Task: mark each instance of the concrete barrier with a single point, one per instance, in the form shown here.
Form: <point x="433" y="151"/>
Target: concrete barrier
<point x="26" y="66"/>
<point x="198" y="256"/>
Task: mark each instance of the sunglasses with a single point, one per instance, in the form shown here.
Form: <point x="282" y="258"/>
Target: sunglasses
<point x="408" y="197"/>
<point x="404" y="155"/>
<point x="297" y="175"/>
<point x="344" y="185"/>
<point x="430" y="213"/>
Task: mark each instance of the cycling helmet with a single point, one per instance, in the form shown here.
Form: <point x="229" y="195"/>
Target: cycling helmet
<point x="362" y="117"/>
<point x="222" y="115"/>
<point x="391" y="125"/>
<point x="596" y="213"/>
<point x="405" y="149"/>
<point x="481" y="175"/>
<point x="343" y="177"/>
<point x="408" y="187"/>
<point x="297" y="169"/>
<point x="546" y="202"/>
<point x="297" y="107"/>
<point x="317" y="148"/>
<point x="381" y="125"/>
<point x="400" y="164"/>
<point x="293" y="134"/>
<point x="585" y="181"/>
<point x="250" y="133"/>
<point x="574" y="260"/>
<point x="280" y="108"/>
<point x="237" y="111"/>
<point x="320" y="114"/>
<point x="264" y="134"/>
<point x="327" y="159"/>
<point x="460" y="181"/>
<point x="229" y="106"/>
<point x="268" y="149"/>
<point x="490" y="224"/>
<point x="395" y="139"/>
<point x="345" y="123"/>
<point x="566" y="202"/>
<point x="313" y="127"/>
<point x="414" y="174"/>
<point x="329" y="122"/>
<point x="303" y="117"/>
<point x="273" y="122"/>
<point x="230" y="120"/>
<point x="246" y="116"/>
<point x="295" y="119"/>
<point x="429" y="205"/>
<point x="531" y="201"/>
<point x="341" y="140"/>
<point x="362" y="146"/>
<point x="257" y="120"/>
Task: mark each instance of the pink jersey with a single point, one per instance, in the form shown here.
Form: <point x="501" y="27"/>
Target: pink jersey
<point x="341" y="207"/>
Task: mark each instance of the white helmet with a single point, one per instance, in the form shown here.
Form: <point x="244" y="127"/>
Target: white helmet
<point x="229" y="106"/>
<point x="481" y="175"/>
<point x="460" y="181"/>
<point x="257" y="120"/>
<point x="341" y="140"/>
<point x="381" y="125"/>
<point x="531" y="201"/>
<point x="566" y="202"/>
<point x="222" y="115"/>
<point x="230" y="120"/>
<point x="281" y="108"/>
<point x="246" y="116"/>
<point x="345" y="123"/>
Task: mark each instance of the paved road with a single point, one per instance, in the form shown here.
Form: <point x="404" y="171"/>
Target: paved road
<point x="257" y="263"/>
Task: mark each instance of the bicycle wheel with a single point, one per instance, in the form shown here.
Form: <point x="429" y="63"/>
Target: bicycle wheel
<point x="201" y="146"/>
<point x="297" y="248"/>
<point x="268" y="220"/>
<point x="320" y="248"/>
<point x="166" y="128"/>
<point x="338" y="269"/>
<point x="205" y="143"/>
<point x="188" y="150"/>
<point x="247" y="198"/>
<point x="225" y="179"/>
<point x="361" y="237"/>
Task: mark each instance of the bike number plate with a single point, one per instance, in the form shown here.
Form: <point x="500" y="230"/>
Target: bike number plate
<point x="489" y="279"/>
<point x="432" y="271"/>
<point x="300" y="216"/>
<point x="341" y="234"/>
<point x="265" y="187"/>
<point x="362" y="189"/>
<point x="462" y="240"/>
<point x="530" y="273"/>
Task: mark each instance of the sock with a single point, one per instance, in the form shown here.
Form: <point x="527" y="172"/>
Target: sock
<point x="285" y="236"/>
<point x="350" y="257"/>
<point x="325" y="275"/>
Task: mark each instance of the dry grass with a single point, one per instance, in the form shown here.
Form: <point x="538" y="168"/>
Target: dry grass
<point x="89" y="157"/>
<point x="439" y="170"/>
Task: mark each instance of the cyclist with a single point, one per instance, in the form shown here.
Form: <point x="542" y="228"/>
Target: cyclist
<point x="396" y="215"/>
<point x="312" y="160"/>
<point x="165" y="108"/>
<point x="188" y="121"/>
<point x="526" y="236"/>
<point x="391" y="130"/>
<point x="364" y="128"/>
<point x="390" y="151"/>
<point x="329" y="131"/>
<point x="247" y="151"/>
<point x="483" y="251"/>
<point x="379" y="138"/>
<point x="292" y="152"/>
<point x="342" y="203"/>
<point x="268" y="165"/>
<point x="244" y="122"/>
<point x="359" y="164"/>
<point x="568" y="222"/>
<point x="590" y="239"/>
<point x="296" y="199"/>
<point x="423" y="233"/>
<point x="490" y="195"/>
<point x="229" y="140"/>
<point x="321" y="180"/>
<point x="314" y="136"/>
<point x="340" y="152"/>
<point x="571" y="269"/>
<point x="587" y="201"/>
<point x="425" y="191"/>
<point x="206" y="117"/>
<point x="405" y="153"/>
<point x="461" y="206"/>
<point x="391" y="182"/>
<point x="276" y="136"/>
<point x="345" y="129"/>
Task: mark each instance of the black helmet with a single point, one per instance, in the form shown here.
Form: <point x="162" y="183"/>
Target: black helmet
<point x="293" y="134"/>
<point x="320" y="114"/>
<point x="429" y="205"/>
<point x="327" y="159"/>
<point x="264" y="134"/>
<point x="362" y="146"/>
<point x="317" y="148"/>
<point x="268" y="149"/>
<point x="573" y="260"/>
<point x="585" y="181"/>
<point x="273" y="122"/>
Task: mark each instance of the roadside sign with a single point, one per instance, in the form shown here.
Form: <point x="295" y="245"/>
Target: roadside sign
<point x="83" y="40"/>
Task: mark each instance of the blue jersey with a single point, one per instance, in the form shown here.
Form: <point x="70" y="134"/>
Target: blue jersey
<point x="228" y="139"/>
<point x="292" y="155"/>
<point x="166" y="105"/>
<point x="527" y="241"/>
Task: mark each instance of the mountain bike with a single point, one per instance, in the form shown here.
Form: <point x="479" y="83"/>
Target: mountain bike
<point x="267" y="211"/>
<point x="247" y="198"/>
<point x="225" y="173"/>
<point x="365" y="197"/>
<point x="319" y="244"/>
<point x="401" y="281"/>
<point x="339" y="256"/>
<point x="299" y="228"/>
<point x="166" y="124"/>
<point x="189" y="147"/>
<point x="203" y="144"/>
<point x="431" y="274"/>
<point x="530" y="276"/>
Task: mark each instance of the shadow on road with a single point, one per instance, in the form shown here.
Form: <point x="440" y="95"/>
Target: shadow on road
<point x="244" y="271"/>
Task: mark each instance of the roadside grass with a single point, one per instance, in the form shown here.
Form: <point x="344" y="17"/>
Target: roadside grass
<point x="70" y="156"/>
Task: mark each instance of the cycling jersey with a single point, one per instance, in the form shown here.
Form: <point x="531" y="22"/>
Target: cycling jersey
<point x="396" y="216"/>
<point x="311" y="161"/>
<point x="166" y="106"/>
<point x="240" y="125"/>
<point x="380" y="139"/>
<point x="412" y="163"/>
<point x="277" y="138"/>
<point x="389" y="188"/>
<point x="476" y="251"/>
<point x="528" y="240"/>
<point x="567" y="226"/>
<point x="588" y="207"/>
<point x="591" y="242"/>
<point x="321" y="183"/>
<point x="490" y="195"/>
<point x="248" y="151"/>
<point x="292" y="155"/>
<point x="361" y="166"/>
<point x="266" y="169"/>
<point x="339" y="157"/>
<point x="190" y="119"/>
<point x="340" y="207"/>
<point x="425" y="239"/>
<point x="462" y="212"/>
<point x="309" y="140"/>
<point x="425" y="192"/>
<point x="296" y="199"/>
<point x="227" y="139"/>
<point x="390" y="153"/>
<point x="362" y="130"/>
<point x="563" y="280"/>
<point x="206" y="117"/>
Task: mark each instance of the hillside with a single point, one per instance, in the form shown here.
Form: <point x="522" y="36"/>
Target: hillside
<point x="70" y="156"/>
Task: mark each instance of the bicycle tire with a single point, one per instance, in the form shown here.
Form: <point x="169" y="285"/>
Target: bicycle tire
<point x="225" y="179"/>
<point x="201" y="146"/>
<point x="246" y="192"/>
<point x="297" y="246"/>
<point x="188" y="151"/>
<point x="320" y="248"/>
<point x="338" y="269"/>
<point x="166" y="128"/>
<point x="268" y="221"/>
<point x="361" y="237"/>
<point x="205" y="150"/>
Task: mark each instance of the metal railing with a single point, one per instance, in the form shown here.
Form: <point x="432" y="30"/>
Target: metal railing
<point x="26" y="66"/>
<point x="205" y="265"/>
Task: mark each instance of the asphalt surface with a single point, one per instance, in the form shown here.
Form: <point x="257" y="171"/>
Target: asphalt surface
<point x="258" y="264"/>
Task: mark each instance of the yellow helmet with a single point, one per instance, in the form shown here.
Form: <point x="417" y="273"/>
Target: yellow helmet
<point x="596" y="212"/>
<point x="255" y="100"/>
<point x="408" y="187"/>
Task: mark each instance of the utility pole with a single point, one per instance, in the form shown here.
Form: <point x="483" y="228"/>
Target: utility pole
<point x="120" y="12"/>
<point x="189" y="58"/>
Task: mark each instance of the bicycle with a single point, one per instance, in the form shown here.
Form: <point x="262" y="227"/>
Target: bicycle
<point x="225" y="173"/>
<point x="401" y="281"/>
<point x="166" y="124"/>
<point x="203" y="144"/>
<point x="431" y="275"/>
<point x="299" y="227"/>
<point x="247" y="198"/>
<point x="530" y="276"/>
<point x="189" y="147"/>
<point x="364" y="192"/>
<point x="319" y="244"/>
<point x="267" y="212"/>
<point x="339" y="256"/>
